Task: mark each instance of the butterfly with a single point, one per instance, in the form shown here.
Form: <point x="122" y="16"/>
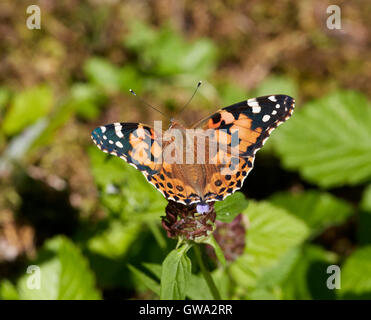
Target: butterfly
<point x="171" y="159"/>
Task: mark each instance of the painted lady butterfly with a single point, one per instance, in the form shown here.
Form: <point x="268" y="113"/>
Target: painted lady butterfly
<point x="150" y="149"/>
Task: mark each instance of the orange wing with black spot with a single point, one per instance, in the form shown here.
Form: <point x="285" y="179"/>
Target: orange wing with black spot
<point x="241" y="130"/>
<point x="172" y="183"/>
<point x="136" y="143"/>
<point x="142" y="147"/>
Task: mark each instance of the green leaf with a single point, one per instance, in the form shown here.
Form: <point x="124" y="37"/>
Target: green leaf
<point x="218" y="251"/>
<point x="272" y="233"/>
<point x="139" y="36"/>
<point x="156" y="232"/>
<point x="106" y="170"/>
<point x="328" y="140"/>
<point x="200" y="57"/>
<point x="114" y="241"/>
<point x="130" y="78"/>
<point x="64" y="274"/>
<point x="356" y="275"/>
<point x="300" y="274"/>
<point x="61" y="115"/>
<point x="229" y="208"/>
<point x="176" y="272"/>
<point x="103" y="73"/>
<point x="318" y="210"/>
<point x="274" y="276"/>
<point x="198" y="288"/>
<point x="164" y="52"/>
<point x="231" y="93"/>
<point x="261" y="294"/>
<point x="145" y="280"/>
<point x="155" y="268"/>
<point x="277" y="85"/>
<point x="26" y="108"/>
<point x="223" y="282"/>
<point x="87" y="100"/>
<point x="307" y="278"/>
<point x="8" y="291"/>
<point x="133" y="195"/>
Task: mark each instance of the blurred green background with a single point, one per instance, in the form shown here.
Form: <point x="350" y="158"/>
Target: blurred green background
<point x="92" y="224"/>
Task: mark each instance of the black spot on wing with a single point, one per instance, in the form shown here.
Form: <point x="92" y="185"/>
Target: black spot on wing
<point x="216" y="117"/>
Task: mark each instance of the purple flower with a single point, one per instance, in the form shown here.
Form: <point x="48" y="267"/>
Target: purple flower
<point x="202" y="208"/>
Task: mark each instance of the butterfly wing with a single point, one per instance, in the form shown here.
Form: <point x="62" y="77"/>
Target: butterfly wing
<point x="136" y="143"/>
<point x="142" y="147"/>
<point x="172" y="183"/>
<point x="243" y="128"/>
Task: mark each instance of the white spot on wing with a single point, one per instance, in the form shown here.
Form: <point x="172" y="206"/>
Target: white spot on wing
<point x="103" y="129"/>
<point x="118" y="128"/>
<point x="278" y="106"/>
<point x="119" y="144"/>
<point x="266" y="118"/>
<point x="110" y="141"/>
<point x="272" y="98"/>
<point x="274" y="112"/>
<point x="252" y="103"/>
<point x="256" y="109"/>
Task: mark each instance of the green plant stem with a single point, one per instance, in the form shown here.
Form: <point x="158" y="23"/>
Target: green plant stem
<point x="206" y="273"/>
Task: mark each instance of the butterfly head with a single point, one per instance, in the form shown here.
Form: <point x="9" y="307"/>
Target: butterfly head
<point x="175" y="124"/>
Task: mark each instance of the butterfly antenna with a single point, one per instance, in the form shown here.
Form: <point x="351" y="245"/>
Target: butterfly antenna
<point x="190" y="99"/>
<point x="147" y="104"/>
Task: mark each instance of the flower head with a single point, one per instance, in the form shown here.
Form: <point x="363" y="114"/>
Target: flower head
<point x="193" y="222"/>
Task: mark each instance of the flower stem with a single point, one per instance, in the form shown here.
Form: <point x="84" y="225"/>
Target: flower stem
<point x="206" y="273"/>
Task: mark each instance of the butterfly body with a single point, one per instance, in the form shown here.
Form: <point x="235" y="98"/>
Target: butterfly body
<point x="202" y="163"/>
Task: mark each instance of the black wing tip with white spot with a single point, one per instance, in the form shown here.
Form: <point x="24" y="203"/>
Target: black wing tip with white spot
<point x="284" y="105"/>
<point x="285" y="102"/>
<point x="270" y="111"/>
<point x="109" y="139"/>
